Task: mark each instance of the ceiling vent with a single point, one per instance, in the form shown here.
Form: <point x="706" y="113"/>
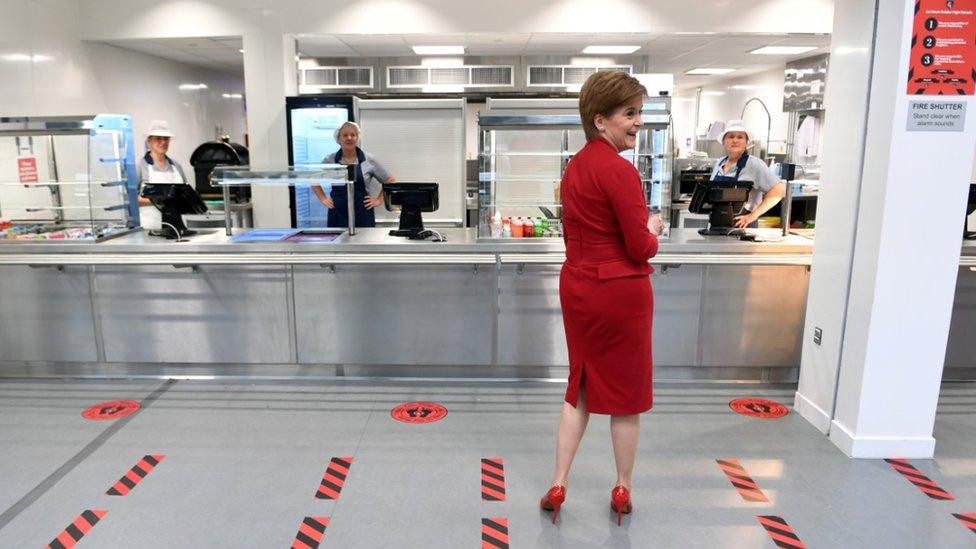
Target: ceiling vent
<point x="567" y="75"/>
<point x="467" y="76"/>
<point x="316" y="79"/>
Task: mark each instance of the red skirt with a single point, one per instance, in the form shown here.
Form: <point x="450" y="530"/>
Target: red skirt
<point x="608" y="325"/>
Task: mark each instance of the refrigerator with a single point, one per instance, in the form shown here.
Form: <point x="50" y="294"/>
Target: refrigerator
<point x="311" y="122"/>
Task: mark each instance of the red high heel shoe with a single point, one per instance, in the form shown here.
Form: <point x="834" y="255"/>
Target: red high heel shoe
<point x="553" y="500"/>
<point x="620" y="502"/>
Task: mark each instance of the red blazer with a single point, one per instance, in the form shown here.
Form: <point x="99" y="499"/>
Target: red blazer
<point x="605" y="213"/>
<point x="604" y="291"/>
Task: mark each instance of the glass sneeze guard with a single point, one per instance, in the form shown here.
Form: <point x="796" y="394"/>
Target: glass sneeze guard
<point x="306" y="175"/>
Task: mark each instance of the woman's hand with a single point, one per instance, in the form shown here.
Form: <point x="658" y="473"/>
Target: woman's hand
<point x="327" y="202"/>
<point x="373" y="202"/>
<point x="655" y="224"/>
<point x="743" y="221"/>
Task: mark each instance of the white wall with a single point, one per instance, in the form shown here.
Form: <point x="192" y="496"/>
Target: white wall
<point x="724" y="101"/>
<point x="147" y="87"/>
<point x="70" y="77"/>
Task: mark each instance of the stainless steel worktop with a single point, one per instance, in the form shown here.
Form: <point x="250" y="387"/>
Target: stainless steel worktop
<point x="376" y="245"/>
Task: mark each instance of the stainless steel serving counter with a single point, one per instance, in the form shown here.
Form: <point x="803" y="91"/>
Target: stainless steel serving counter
<point x="214" y="245"/>
<point x="372" y="304"/>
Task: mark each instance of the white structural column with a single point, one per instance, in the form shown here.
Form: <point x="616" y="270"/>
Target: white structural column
<point x="888" y="247"/>
<point x="269" y="76"/>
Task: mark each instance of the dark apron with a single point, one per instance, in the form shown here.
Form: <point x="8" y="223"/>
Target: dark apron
<point x="339" y="215"/>
<point x="735" y="178"/>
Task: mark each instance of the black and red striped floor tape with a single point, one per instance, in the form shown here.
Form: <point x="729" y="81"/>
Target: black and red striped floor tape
<point x="740" y="479"/>
<point x="967" y="519"/>
<point x="310" y="533"/>
<point x="782" y="534"/>
<point x="134" y="476"/>
<point x="494" y="533"/>
<point x="922" y="482"/>
<point x="334" y="478"/>
<point x="493" y="479"/>
<point x="77" y="529"/>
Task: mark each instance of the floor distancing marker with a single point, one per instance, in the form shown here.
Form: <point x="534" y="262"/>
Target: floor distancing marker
<point x="134" y="476"/>
<point x="334" y="478"/>
<point x="493" y="479"/>
<point x="310" y="533"/>
<point x="77" y="529"/>
<point x="922" y="482"/>
<point x="743" y="483"/>
<point x="967" y="519"/>
<point x="494" y="533"/>
<point x="782" y="534"/>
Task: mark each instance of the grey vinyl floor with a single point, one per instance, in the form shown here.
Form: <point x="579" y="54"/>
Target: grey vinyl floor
<point x="243" y="461"/>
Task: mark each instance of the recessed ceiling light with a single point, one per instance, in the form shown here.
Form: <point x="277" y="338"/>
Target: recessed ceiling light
<point x="604" y="50"/>
<point x="200" y="86"/>
<point x="709" y="71"/>
<point x="782" y="50"/>
<point x="438" y="50"/>
<point x="241" y="50"/>
<point x="24" y="57"/>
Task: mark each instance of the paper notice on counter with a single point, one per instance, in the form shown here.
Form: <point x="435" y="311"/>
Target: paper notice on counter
<point x="936" y="116"/>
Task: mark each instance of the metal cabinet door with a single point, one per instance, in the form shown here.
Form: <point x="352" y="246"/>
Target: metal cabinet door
<point x="46" y="315"/>
<point x="236" y="314"/>
<point x="394" y="314"/>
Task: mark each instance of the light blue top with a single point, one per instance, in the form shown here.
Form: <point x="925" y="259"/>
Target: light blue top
<point x="755" y="170"/>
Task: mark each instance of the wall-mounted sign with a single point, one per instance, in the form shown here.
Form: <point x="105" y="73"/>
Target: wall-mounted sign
<point x="27" y="169"/>
<point x="943" y="57"/>
<point x="936" y="116"/>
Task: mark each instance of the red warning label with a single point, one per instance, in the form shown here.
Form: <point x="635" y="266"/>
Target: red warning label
<point x="758" y="407"/>
<point x="419" y="412"/>
<point x="943" y="56"/>
<point x="113" y="409"/>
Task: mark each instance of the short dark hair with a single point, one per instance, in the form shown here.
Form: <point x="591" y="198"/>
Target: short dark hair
<point x="602" y="93"/>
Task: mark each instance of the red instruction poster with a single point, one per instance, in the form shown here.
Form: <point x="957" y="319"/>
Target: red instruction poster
<point x="27" y="169"/>
<point x="943" y="59"/>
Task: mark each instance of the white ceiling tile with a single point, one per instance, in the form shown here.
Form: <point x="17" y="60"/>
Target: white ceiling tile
<point x="371" y="39"/>
<point x="499" y="39"/>
<point x="435" y="39"/>
<point x="495" y="49"/>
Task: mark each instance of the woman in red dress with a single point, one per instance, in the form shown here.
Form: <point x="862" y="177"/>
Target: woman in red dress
<point x="605" y="287"/>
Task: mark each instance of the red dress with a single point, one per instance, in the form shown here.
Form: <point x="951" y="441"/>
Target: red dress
<point x="604" y="286"/>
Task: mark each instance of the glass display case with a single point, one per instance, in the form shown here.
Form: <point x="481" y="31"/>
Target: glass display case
<point x="301" y="178"/>
<point x="67" y="178"/>
<point x="522" y="159"/>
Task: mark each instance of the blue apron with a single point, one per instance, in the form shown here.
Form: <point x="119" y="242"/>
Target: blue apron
<point x="734" y="178"/>
<point x="339" y="216"/>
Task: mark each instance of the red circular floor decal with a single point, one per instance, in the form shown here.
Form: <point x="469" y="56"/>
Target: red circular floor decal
<point x="759" y="407"/>
<point x="113" y="409"/>
<point x="419" y="412"/>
